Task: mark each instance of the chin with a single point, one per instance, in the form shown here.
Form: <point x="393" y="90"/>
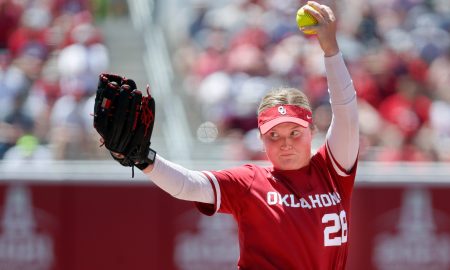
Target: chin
<point x="286" y="165"/>
<point x="290" y="164"/>
<point x="286" y="168"/>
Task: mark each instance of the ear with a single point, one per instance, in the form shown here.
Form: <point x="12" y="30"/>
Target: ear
<point x="313" y="129"/>
<point x="263" y="147"/>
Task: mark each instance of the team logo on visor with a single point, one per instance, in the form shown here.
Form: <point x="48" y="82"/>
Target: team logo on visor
<point x="282" y="110"/>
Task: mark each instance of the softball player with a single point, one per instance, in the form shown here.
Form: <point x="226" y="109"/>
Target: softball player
<point x="295" y="213"/>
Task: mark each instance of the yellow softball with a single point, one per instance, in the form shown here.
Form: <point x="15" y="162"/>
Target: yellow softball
<point x="305" y="19"/>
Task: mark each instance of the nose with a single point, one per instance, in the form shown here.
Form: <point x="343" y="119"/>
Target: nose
<point x="286" y="145"/>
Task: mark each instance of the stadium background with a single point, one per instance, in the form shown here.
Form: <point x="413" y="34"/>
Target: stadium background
<point x="66" y="205"/>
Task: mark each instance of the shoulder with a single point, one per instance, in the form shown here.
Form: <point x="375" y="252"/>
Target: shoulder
<point x="237" y="176"/>
<point x="241" y="171"/>
<point x="325" y="159"/>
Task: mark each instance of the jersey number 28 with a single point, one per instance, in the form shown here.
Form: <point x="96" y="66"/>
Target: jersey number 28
<point x="338" y="223"/>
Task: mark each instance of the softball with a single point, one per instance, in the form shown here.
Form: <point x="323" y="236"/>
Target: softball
<point x="305" y="19"/>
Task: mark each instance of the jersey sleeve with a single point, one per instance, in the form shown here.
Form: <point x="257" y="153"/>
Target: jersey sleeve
<point x="228" y="186"/>
<point x="343" y="179"/>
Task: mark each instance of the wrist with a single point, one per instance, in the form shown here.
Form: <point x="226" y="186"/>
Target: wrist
<point x="330" y="48"/>
<point x="331" y="53"/>
<point x="148" y="161"/>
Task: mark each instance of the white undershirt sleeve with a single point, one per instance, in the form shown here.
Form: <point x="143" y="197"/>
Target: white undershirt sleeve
<point x="180" y="182"/>
<point x="343" y="134"/>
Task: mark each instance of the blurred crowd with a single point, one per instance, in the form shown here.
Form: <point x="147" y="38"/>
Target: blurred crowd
<point x="231" y="53"/>
<point x="397" y="51"/>
<point x="51" y="53"/>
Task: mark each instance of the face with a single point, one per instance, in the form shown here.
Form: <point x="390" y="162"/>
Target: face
<point x="288" y="146"/>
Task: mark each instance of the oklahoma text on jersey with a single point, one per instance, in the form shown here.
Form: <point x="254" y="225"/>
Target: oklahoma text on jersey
<point x="311" y="201"/>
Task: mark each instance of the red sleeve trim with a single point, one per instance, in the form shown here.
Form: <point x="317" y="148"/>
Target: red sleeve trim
<point x="341" y="171"/>
<point x="207" y="208"/>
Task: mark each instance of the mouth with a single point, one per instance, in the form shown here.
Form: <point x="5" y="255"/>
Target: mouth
<point x="287" y="155"/>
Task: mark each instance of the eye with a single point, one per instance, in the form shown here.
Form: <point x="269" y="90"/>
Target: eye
<point x="274" y="135"/>
<point x="296" y="133"/>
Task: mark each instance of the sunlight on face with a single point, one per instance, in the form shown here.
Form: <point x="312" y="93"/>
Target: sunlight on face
<point x="288" y="146"/>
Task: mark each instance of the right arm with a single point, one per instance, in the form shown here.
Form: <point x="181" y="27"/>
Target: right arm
<point x="180" y="182"/>
<point x="343" y="134"/>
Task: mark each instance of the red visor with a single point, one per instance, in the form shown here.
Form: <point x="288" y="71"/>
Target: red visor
<point x="273" y="116"/>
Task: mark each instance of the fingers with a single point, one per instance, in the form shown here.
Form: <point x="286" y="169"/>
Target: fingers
<point x="309" y="29"/>
<point x="322" y="13"/>
<point x="325" y="28"/>
<point x="117" y="155"/>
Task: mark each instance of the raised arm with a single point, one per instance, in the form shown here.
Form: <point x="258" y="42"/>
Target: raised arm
<point x="343" y="134"/>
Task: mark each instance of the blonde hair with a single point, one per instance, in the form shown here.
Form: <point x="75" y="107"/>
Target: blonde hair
<point x="284" y="96"/>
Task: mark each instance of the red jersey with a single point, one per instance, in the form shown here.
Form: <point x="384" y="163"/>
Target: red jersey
<point x="294" y="219"/>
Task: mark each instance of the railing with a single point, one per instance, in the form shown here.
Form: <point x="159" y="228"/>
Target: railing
<point x="171" y="113"/>
<point x="108" y="171"/>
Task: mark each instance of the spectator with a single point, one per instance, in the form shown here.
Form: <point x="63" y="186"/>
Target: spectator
<point x="15" y="124"/>
<point x="10" y="13"/>
<point x="38" y="75"/>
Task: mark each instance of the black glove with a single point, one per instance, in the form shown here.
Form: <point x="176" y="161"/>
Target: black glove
<point x="124" y="118"/>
